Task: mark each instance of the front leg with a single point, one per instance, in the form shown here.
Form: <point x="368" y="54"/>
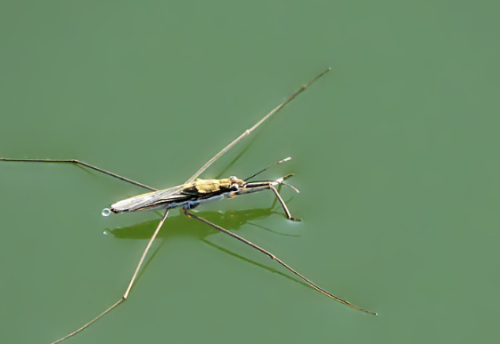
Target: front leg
<point x="283" y="204"/>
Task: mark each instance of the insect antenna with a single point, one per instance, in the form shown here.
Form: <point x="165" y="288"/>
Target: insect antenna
<point x="268" y="167"/>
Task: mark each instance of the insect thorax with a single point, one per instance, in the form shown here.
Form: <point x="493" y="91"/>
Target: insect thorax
<point x="212" y="186"/>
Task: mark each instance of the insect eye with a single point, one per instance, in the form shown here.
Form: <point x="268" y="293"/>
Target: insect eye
<point x="235" y="187"/>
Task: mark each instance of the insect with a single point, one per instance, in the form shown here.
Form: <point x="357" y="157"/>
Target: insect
<point x="190" y="195"/>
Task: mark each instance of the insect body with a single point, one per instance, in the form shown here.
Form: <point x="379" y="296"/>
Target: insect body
<point x="190" y="195"/>
<point x="187" y="195"/>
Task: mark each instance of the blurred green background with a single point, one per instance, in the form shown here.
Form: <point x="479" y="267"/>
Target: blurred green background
<point x="395" y="153"/>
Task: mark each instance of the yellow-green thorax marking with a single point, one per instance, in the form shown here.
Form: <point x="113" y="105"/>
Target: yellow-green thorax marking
<point x="209" y="186"/>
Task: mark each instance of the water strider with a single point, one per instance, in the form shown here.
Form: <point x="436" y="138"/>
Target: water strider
<point x="190" y="195"/>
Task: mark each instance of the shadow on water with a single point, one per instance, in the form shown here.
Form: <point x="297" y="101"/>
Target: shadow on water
<point x="176" y="225"/>
<point x="181" y="225"/>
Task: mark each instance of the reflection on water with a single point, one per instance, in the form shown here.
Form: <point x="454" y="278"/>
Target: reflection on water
<point x="183" y="226"/>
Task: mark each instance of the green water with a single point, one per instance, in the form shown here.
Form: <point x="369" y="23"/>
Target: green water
<point x="395" y="153"/>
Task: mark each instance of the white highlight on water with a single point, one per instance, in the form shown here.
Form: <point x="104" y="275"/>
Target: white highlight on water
<point x="106" y="212"/>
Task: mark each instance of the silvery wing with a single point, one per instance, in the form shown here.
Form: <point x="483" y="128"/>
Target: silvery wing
<point x="167" y="198"/>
